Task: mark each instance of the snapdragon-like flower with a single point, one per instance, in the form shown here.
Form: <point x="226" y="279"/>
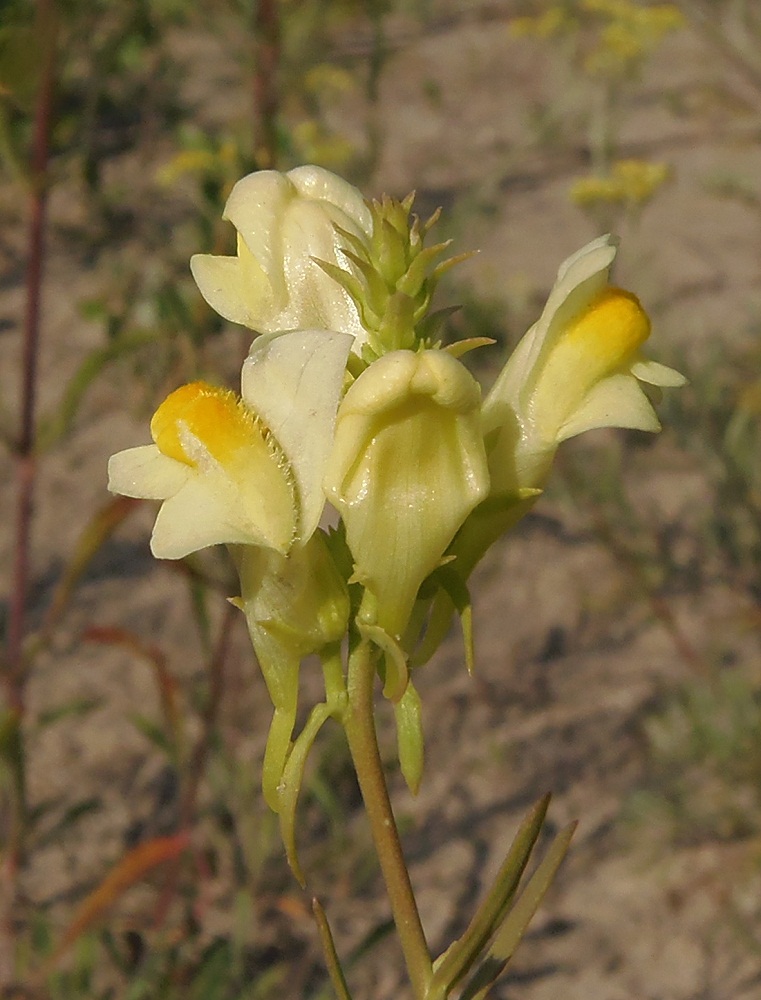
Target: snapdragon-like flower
<point x="578" y="368"/>
<point x="242" y="471"/>
<point x="286" y="222"/>
<point x="408" y="466"/>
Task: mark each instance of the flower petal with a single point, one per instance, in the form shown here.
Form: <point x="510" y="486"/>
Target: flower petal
<point x="220" y="281"/>
<point x="582" y="276"/>
<point x="293" y="381"/>
<point x="322" y="185"/>
<point x="144" y="472"/>
<point x="616" y="401"/>
<point x="195" y="518"/>
<point x="655" y="373"/>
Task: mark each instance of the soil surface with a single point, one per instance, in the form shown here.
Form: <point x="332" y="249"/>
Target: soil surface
<point x="571" y="656"/>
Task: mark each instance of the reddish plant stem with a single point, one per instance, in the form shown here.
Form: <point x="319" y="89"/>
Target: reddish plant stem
<point x="13" y="668"/>
<point x="267" y="55"/>
<point x="26" y="459"/>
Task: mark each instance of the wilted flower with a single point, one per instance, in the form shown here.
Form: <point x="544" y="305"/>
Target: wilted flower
<point x="248" y="470"/>
<point x="284" y="222"/>
<point x="408" y="466"/>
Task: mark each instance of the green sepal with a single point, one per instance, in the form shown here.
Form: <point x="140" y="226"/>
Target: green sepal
<point x="516" y="922"/>
<point x="454" y="964"/>
<point x="345" y="279"/>
<point x="409" y="737"/>
<point x="290" y="784"/>
<point x="396" y="673"/>
<point x="490" y="519"/>
<point x="429" y="328"/>
<point x="276" y="752"/>
<point x="462" y="347"/>
<point x="412" y="282"/>
<point x="451" y="595"/>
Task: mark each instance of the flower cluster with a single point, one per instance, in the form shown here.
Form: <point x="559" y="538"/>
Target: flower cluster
<point x="349" y="400"/>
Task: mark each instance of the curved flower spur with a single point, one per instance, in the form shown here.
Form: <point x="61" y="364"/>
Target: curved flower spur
<point x="352" y="398"/>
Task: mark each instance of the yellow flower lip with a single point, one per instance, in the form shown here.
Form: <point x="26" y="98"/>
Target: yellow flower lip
<point x="610" y="330"/>
<point x="213" y="416"/>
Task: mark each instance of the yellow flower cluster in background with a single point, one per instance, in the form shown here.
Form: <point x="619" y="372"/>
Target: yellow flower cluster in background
<point x="630" y="183"/>
<point x="316" y="144"/>
<point x="556" y="20"/>
<point x="621" y="33"/>
<point x="200" y="159"/>
<point x="629" y="32"/>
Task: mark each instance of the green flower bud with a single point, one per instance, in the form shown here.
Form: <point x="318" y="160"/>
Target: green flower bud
<point x="392" y="278"/>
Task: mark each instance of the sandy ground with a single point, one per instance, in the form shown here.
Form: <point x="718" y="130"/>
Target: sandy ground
<point x="570" y="658"/>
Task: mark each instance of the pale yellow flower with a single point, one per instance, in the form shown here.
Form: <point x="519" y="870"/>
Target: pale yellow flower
<point x="407" y="467"/>
<point x="578" y="368"/>
<point x="284" y="222"/>
<point x="246" y="471"/>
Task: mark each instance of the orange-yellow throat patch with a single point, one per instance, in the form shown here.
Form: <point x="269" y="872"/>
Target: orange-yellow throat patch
<point x="216" y="417"/>
<point x="610" y="330"/>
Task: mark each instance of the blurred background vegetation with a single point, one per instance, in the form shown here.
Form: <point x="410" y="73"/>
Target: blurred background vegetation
<point x="123" y="127"/>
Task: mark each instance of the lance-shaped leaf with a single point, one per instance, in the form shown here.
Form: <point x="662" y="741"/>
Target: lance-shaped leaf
<point x="451" y="595"/>
<point x="462" y="955"/>
<point x="516" y="922"/>
<point x="332" y="961"/>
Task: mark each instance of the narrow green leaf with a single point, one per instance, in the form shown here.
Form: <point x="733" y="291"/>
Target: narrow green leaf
<point x="96" y="533"/>
<point x="459" y="594"/>
<point x="276" y="753"/>
<point x="451" y="594"/>
<point x="332" y="961"/>
<point x="70" y="817"/>
<point x="460" y="957"/>
<point x="517" y="920"/>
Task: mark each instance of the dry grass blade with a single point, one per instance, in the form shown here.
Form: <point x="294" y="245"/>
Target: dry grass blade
<point x="132" y="868"/>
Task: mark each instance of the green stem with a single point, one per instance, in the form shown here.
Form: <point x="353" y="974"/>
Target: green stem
<point x="359" y="722"/>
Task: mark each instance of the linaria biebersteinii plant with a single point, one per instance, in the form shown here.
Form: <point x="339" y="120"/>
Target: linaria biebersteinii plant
<point x="349" y="398"/>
